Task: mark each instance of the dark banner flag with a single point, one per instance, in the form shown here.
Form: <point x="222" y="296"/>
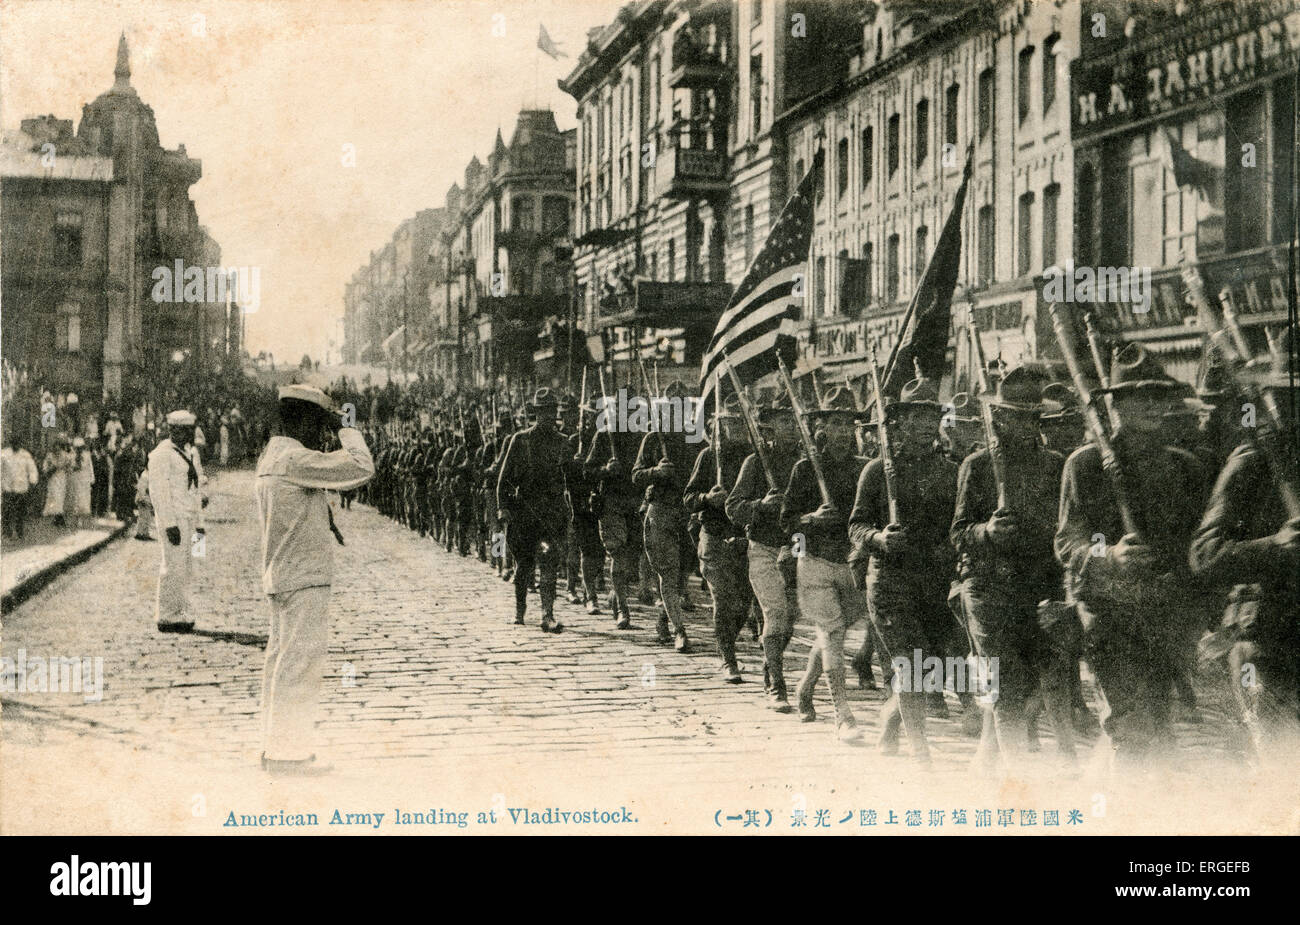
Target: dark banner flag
<point x="924" y="337"/>
<point x="759" y="322"/>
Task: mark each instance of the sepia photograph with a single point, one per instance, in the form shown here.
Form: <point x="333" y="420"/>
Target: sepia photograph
<point x="674" y="417"/>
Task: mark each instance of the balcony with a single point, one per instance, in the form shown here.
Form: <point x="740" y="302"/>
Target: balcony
<point x="688" y="172"/>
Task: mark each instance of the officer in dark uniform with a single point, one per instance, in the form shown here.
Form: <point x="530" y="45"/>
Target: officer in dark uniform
<point x="1134" y="590"/>
<point x="531" y="503"/>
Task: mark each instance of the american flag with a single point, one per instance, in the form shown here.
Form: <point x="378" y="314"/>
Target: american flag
<point x="761" y="317"/>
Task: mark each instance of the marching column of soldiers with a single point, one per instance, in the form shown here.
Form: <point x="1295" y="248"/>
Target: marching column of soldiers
<point x="986" y="555"/>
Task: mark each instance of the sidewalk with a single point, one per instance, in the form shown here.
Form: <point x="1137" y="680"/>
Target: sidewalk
<point x="26" y="569"/>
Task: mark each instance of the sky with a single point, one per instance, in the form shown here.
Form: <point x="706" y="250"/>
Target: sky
<point x="267" y="93"/>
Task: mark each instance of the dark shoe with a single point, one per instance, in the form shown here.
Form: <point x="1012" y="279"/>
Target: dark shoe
<point x="176" y="627"/>
<point x="575" y="598"/>
<point x="731" y="674"/>
<point x="519" y="618"/>
<point x="779" y="702"/>
<point x="662" y="631"/>
<point x="593" y="608"/>
<point x="680" y="643"/>
<point x="624" y="623"/>
<point x="647" y="597"/>
<point x="548" y="624"/>
<point x="867" y="679"/>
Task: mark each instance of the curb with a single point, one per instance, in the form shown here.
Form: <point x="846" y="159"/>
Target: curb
<point x="39" y="579"/>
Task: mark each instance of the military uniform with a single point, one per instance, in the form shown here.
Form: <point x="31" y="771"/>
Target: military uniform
<point x="1006" y="571"/>
<point x="617" y="506"/>
<point x="1242" y="543"/>
<point x="907" y="588"/>
<point x="530" y="490"/>
<point x="665" y="521"/>
<point x="176" y="483"/>
<point x="770" y="578"/>
<point x="825" y="588"/>
<point x="1133" y="616"/>
<point x="723" y="552"/>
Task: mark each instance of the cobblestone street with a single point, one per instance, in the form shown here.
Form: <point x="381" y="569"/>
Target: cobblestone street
<point x="434" y="698"/>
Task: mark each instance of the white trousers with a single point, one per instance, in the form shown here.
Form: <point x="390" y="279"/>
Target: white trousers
<point x="174" y="577"/>
<point x="296" y="648"/>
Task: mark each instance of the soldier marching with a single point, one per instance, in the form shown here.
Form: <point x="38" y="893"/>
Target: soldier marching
<point x="985" y="563"/>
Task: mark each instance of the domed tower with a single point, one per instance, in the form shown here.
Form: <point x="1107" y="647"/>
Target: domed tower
<point x="152" y="218"/>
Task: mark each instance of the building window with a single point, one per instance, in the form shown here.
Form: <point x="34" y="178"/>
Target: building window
<point x="1025" y="78"/>
<point x="755" y="96"/>
<point x="755" y="12"/>
<point x="891" y="270"/>
<point x="1051" y="202"/>
<point x="892" y="142"/>
<point x="749" y="235"/>
<point x="984" y="273"/>
<point x="1024" y="245"/>
<point x="922" y="250"/>
<point x="67" y="330"/>
<point x="654" y="266"/>
<point x="67" y="239"/>
<point x="823" y="300"/>
<point x="951" y="113"/>
<point x="672" y="260"/>
<point x="1049" y="71"/>
<point x="985" y="103"/>
<point x="656" y="80"/>
<point x="842" y="167"/>
<point x="867" y="152"/>
<point x="867" y="266"/>
<point x="1083" y="232"/>
<point x="922" y="131"/>
<point x="521" y="213"/>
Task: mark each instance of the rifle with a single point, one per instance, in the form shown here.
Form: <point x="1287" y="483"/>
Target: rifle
<point x="1109" y="460"/>
<point x="817" y="389"/>
<point x="717" y="427"/>
<point x="751" y="425"/>
<point x="663" y="446"/>
<point x="604" y="397"/>
<point x="882" y="436"/>
<point x="1232" y="343"/>
<point x="814" y="457"/>
<point x="582" y="409"/>
<point x="991" y="439"/>
<point x="1094" y="347"/>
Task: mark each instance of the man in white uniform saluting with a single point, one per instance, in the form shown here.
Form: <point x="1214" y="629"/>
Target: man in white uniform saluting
<point x="298" y="565"/>
<point x="176" y="482"/>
